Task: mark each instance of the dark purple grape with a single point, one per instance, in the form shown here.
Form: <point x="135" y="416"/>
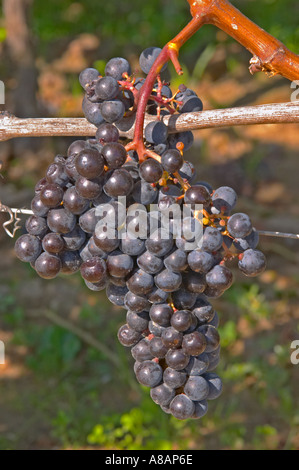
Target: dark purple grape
<point x="119" y="264"/>
<point x="157" y="296"/>
<point x="168" y="280"/>
<point x="70" y="167"/>
<point x="53" y="243"/>
<point x="239" y="225"/>
<point x="136" y="303"/>
<point x="157" y="347"/>
<point x="36" y="226"/>
<point x="87" y="76"/>
<point x="114" y="154"/>
<point x="162" y="394"/>
<point x="203" y="310"/>
<point x="220" y="277"/>
<point x="212" y="239"/>
<point x="172" y="160"/>
<point x="186" y="138"/>
<point x="176" y="261"/>
<point x="212" y="337"/>
<point x="96" y="286"/>
<point x="150" y="263"/>
<point x="116" y="294"/>
<point x="28" y="248"/>
<point x="177" y="359"/>
<point x="182" y="407"/>
<point x="89" y="163"/>
<point x="70" y="261"/>
<point x="76" y="147"/>
<point x="215" y="385"/>
<point x="197" y="195"/>
<point x="47" y="266"/>
<point x="120" y="183"/>
<point x="197" y="388"/>
<point x="151" y="170"/>
<point x="138" y="321"/>
<point x="74" y="240"/>
<point x="74" y="202"/>
<point x="132" y="246"/>
<point x="107" y="133"/>
<point x="92" y="112"/>
<point x="194" y="343"/>
<point x="61" y="220"/>
<point x="141" y="351"/>
<point x="56" y="174"/>
<point x="174" y="378"/>
<point x="224" y="199"/>
<point x="159" y="243"/>
<point x="200" y="261"/>
<point x="172" y="338"/>
<point x="161" y="314"/>
<point x="88" y="220"/>
<point x="201" y="408"/>
<point x="140" y="282"/>
<point x="113" y="110"/>
<point x="183" y="299"/>
<point x="181" y="320"/>
<point x="149" y="374"/>
<point x="198" y="364"/>
<point x="88" y="188"/>
<point x="127" y="336"/>
<point x="107" y="88"/>
<point x="251" y="241"/>
<point x="194" y="282"/>
<point x="252" y="262"/>
<point x="51" y="195"/>
<point x="190" y="104"/>
<point x="93" y="270"/>
<point x="144" y="193"/>
<point x="148" y="57"/>
<point x="116" y="67"/>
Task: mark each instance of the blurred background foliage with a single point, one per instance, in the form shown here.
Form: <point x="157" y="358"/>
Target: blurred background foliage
<point x="60" y="388"/>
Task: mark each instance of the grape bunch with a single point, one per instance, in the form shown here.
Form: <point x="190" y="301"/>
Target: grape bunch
<point x="145" y="231"/>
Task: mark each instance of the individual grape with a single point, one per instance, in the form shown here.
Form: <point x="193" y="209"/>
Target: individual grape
<point x="127" y="336"/>
<point x="159" y="243"/>
<point x="157" y="296"/>
<point x="172" y="338"/>
<point x="183" y="299"/>
<point x="40" y="185"/>
<point x="119" y="264"/>
<point x="95" y="250"/>
<point x="190" y="104"/>
<point x="151" y="170"/>
<point x="140" y="282"/>
<point x="144" y="193"/>
<point x="177" y="359"/>
<point x="53" y="243"/>
<point x="51" y="195"/>
<point x="70" y="168"/>
<point x="239" y="225"/>
<point x="220" y="277"/>
<point x="161" y="314"/>
<point x="212" y="239"/>
<point x="141" y="351"/>
<point x="107" y="133"/>
<point x="89" y="163"/>
<point x="36" y="226"/>
<point x="251" y="241"/>
<point x="162" y="394"/>
<point x="197" y="195"/>
<point x="182" y="407"/>
<point x="150" y="263"/>
<point x="92" y="112"/>
<point x="93" y="270"/>
<point x="155" y="329"/>
<point x="174" y="378"/>
<point x="181" y="320"/>
<point x="200" y="261"/>
<point x="107" y="88"/>
<point x="116" y="67"/>
<point x="74" y="240"/>
<point x="28" y="248"/>
<point x="252" y="262"/>
<point x="194" y="282"/>
<point x="96" y="286"/>
<point x="113" y="110"/>
<point x="198" y="365"/>
<point x="168" y="280"/>
<point x="132" y="246"/>
<point x="120" y="183"/>
<point x="149" y="374"/>
<point x="138" y="321"/>
<point x="106" y="242"/>
<point x="88" y="188"/>
<point x="203" y="310"/>
<point x="136" y="303"/>
<point x="194" y="343"/>
<point x="172" y="160"/>
<point x="112" y="214"/>
<point x="88" y="220"/>
<point x="47" y="266"/>
<point x="116" y="294"/>
<point x="56" y="174"/>
<point x="74" y="202"/>
<point x="61" y="220"/>
<point x="201" y="408"/>
<point x="157" y="347"/>
<point x="196" y="388"/>
<point x="70" y="261"/>
<point x="215" y="385"/>
<point x="155" y="132"/>
<point x="76" y="147"/>
<point x="148" y="57"/>
<point x="224" y="199"/>
<point x="87" y="76"/>
<point x="187" y="171"/>
<point x="115" y="155"/>
<point x="176" y="261"/>
<point x="212" y="337"/>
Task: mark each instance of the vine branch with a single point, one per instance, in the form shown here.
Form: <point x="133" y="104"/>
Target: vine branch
<point x="280" y="113"/>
